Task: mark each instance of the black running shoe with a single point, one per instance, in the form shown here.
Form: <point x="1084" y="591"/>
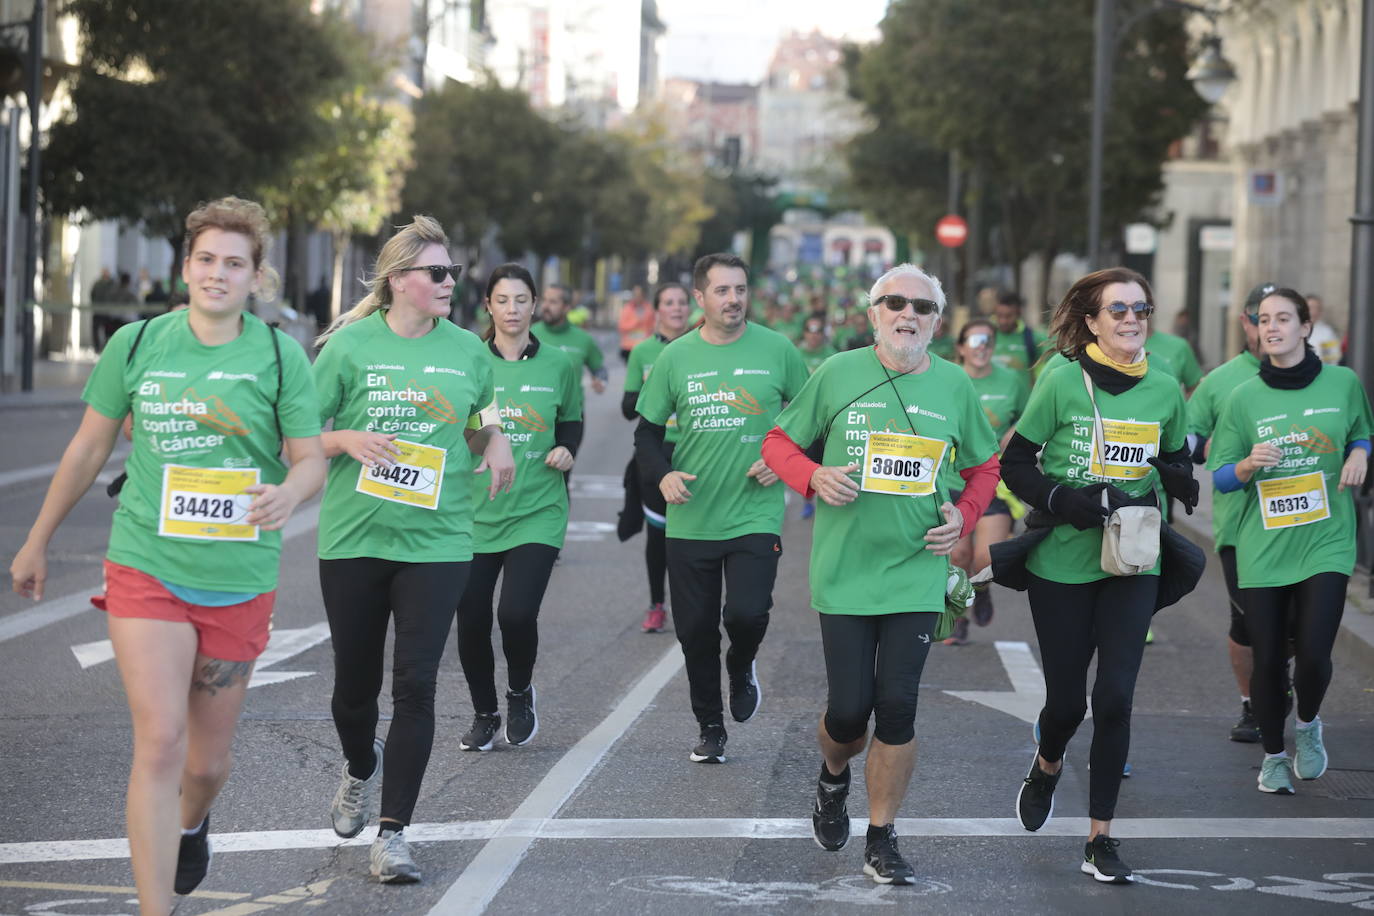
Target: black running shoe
<point x="712" y="746"/>
<point x="982" y="605"/>
<point x="745" y="693"/>
<point x="522" y="723"/>
<point x="1246" y="729"/>
<point x="829" y="815"/>
<point x="193" y="859"/>
<point x="483" y="732"/>
<point x="883" y="862"/>
<point x="1035" y="801"/>
<point x="1101" y="860"/>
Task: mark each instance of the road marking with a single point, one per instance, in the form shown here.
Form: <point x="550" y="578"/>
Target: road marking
<point x="1027" y="694"/>
<point x="111" y="889"/>
<point x="589" y="531"/>
<point x="597" y="486"/>
<point x="59" y="609"/>
<point x="281" y="645"/>
<point x="530" y="826"/>
<point x="493" y="865"/>
<point x="307" y="894"/>
<point x="41" y="471"/>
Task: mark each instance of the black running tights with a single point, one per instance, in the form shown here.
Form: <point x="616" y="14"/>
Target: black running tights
<point x="524" y="571"/>
<point x="1073" y="622"/>
<point x="361" y="596"/>
<point x="1318" y="603"/>
<point x="656" y="560"/>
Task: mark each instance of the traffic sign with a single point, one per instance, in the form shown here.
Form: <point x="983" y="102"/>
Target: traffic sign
<point x="951" y="231"/>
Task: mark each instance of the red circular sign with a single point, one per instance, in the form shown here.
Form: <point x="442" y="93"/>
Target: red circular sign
<point x="951" y="231"/>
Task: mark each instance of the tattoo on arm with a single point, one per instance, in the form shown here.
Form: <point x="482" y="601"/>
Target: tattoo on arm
<point x="217" y="674"/>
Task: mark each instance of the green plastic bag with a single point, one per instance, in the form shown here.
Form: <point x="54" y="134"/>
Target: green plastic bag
<point x="958" y="599"/>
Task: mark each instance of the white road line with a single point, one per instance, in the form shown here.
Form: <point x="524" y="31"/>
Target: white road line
<point x="529" y="829"/>
<point x="493" y="865"/>
<point x="57" y="609"/>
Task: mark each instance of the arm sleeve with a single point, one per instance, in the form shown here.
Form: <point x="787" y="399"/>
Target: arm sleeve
<point x="1021" y="474"/>
<point x="627" y="404"/>
<point x="980" y="485"/>
<point x="1358" y="443"/>
<point x="650" y="452"/>
<point x="786" y="459"/>
<point x="1225" y="480"/>
<point x="568" y="434"/>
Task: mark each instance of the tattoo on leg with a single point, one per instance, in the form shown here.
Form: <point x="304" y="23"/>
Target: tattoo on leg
<point x="217" y="674"/>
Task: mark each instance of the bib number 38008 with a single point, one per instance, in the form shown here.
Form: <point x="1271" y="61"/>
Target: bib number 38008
<point x="902" y="464"/>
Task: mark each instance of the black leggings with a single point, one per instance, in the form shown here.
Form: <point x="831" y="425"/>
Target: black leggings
<point x="1318" y="604"/>
<point x="656" y="560"/>
<point x="526" y="570"/>
<point x="1239" y="634"/>
<point x="873" y="667"/>
<point x="1108" y="617"/>
<point x="360" y="596"/>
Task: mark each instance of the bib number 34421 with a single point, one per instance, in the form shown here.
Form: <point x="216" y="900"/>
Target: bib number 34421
<point x="206" y="504"/>
<point x="414" y="480"/>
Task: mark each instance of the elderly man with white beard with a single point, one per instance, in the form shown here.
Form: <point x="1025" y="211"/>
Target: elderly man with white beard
<point x="890" y="418"/>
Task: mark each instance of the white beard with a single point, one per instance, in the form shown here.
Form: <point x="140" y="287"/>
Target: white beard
<point x="905" y="354"/>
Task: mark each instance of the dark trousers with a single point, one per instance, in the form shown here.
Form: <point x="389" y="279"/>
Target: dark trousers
<point x="748" y="565"/>
<point x="360" y="596"/>
<point x="1316" y="606"/>
<point x="524" y="571"/>
<point x="873" y="667"/>
<point x="1073" y="622"/>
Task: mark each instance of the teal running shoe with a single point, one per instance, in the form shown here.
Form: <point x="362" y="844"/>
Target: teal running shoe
<point x="1310" y="760"/>
<point x="1276" y="776"/>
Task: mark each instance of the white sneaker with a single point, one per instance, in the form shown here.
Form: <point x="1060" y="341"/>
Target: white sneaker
<point x="358" y="801"/>
<point x="392" y="862"/>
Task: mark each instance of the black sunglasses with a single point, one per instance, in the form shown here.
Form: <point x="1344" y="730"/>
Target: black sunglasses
<point x="895" y="303"/>
<point x="1118" y="309"/>
<point x="437" y="272"/>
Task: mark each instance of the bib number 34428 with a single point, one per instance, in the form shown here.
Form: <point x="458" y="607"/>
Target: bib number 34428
<point x="206" y="504"/>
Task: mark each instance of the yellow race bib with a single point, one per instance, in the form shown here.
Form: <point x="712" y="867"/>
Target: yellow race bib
<point x="1128" y="444"/>
<point x="901" y="463"/>
<point x="1287" y="502"/>
<point x="414" y="480"/>
<point x="206" y="504"/>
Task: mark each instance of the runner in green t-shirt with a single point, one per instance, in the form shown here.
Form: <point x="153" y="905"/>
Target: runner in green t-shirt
<point x="1002" y="393"/>
<point x="517" y="537"/>
<point x="1175" y="356"/>
<point x="1295" y="440"/>
<point x="672" y="308"/>
<point x="404" y="387"/>
<point x="1204" y="410"/>
<point x="1017" y="346"/>
<point x="890" y="419"/>
<point x="725" y="381"/>
<point x="814" y="348"/>
<point x="191" y="573"/>
<point x="556" y="330"/>
<point x="1138" y="444"/>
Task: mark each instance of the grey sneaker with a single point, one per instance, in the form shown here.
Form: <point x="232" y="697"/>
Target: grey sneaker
<point x="358" y="801"/>
<point x="1276" y="776"/>
<point x="392" y="862"/>
<point x="1309" y="759"/>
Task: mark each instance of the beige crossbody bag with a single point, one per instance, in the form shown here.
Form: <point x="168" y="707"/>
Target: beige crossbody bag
<point x="1130" y="540"/>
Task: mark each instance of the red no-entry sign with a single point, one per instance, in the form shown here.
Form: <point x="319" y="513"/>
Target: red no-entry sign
<point x="951" y="231"/>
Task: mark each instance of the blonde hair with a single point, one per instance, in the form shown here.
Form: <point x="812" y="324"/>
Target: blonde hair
<point x="245" y="218"/>
<point x="400" y="251"/>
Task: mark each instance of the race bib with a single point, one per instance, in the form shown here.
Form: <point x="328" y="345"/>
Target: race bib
<point x="413" y="480"/>
<point x="1287" y="502"/>
<point x="1127" y="445"/>
<point x="206" y="504"/>
<point x="901" y="463"/>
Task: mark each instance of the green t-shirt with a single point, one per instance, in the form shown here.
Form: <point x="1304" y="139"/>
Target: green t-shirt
<point x="1003" y="394"/>
<point x="637" y="370"/>
<point x="198" y="406"/>
<point x="532" y="395"/>
<point x="1009" y="350"/>
<point x="1175" y="356"/>
<point x="1204" y="410"/>
<point x="1313" y="426"/>
<point x="1145" y="420"/>
<point x="869" y="556"/>
<point x="725" y="398"/>
<point x="427" y="390"/>
<point x="814" y="358"/>
<point x="578" y="344"/>
<point x="1048" y="365"/>
<point x="943" y="347"/>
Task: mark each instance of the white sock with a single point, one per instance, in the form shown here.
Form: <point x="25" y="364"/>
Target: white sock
<point x="1279" y="756"/>
<point x="1245" y="699"/>
<point x="194" y="830"/>
<point x="1302" y="724"/>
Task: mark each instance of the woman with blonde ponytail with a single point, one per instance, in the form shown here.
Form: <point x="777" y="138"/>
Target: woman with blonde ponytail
<point x="405" y="389"/>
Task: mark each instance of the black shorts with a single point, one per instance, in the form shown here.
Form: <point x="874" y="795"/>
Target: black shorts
<point x="1239" y="634"/>
<point x="873" y="667"/>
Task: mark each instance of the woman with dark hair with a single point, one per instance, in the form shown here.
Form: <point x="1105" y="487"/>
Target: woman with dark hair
<point x="1294" y="439"/>
<point x="672" y="309"/>
<point x="1107" y="430"/>
<point x="517" y="538"/>
<point x="406" y="389"/>
<point x="1003" y="394"/>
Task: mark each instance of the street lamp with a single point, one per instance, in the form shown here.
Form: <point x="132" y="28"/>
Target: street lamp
<point x="1211" y="75"/>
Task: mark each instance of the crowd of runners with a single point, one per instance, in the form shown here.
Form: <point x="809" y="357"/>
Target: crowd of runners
<point x="917" y="447"/>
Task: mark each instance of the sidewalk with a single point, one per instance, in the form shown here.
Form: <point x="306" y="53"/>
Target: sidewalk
<point x="1357" y="624"/>
<point x="54" y="383"/>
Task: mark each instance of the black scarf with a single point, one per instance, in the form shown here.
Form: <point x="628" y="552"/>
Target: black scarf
<point x="1112" y="381"/>
<point x="1294" y="377"/>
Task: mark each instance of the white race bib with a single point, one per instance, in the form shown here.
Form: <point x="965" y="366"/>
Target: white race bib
<point x="1287" y="502"/>
<point x="414" y="480"/>
<point x="206" y="504"/>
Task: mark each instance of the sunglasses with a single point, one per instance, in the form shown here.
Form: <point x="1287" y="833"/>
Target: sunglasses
<point x="1118" y="310"/>
<point x="437" y="272"/>
<point x="977" y="340"/>
<point x="895" y="303"/>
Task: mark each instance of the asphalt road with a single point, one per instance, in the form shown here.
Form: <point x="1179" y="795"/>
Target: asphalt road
<point x="603" y="812"/>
